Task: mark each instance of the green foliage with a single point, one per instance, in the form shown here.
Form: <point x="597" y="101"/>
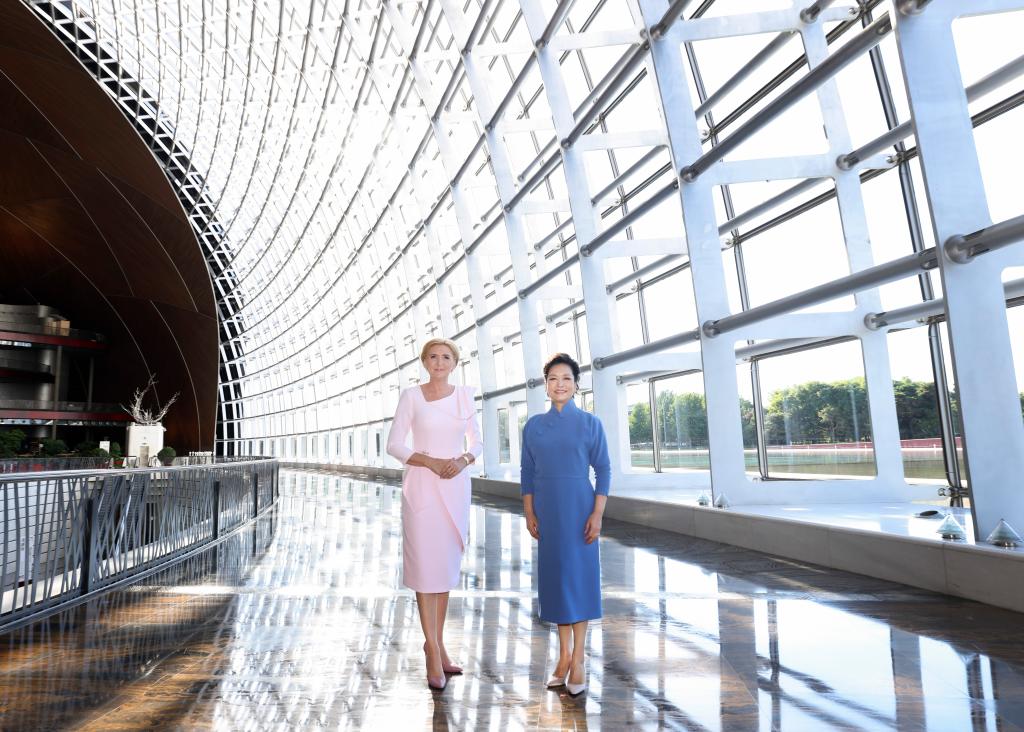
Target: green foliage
<point x="640" y="424"/>
<point x="814" y="412"/>
<point x="115" y="449"/>
<point x="166" y="454"/>
<point x="90" y="449"/>
<point x="817" y="412"/>
<point x="682" y="421"/>
<point x="52" y="448"/>
<point x="10" y="442"/>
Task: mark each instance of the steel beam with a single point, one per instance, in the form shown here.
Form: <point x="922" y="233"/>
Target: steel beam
<point x="639" y="212"/>
<point x="980" y="88"/>
<point x="689" y="336"/>
<point x="856" y="282"/>
<point x="865" y="40"/>
<point x="964" y="248"/>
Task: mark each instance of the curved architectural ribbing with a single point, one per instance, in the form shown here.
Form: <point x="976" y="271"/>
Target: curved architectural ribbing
<point x="528" y="177"/>
<point x="83" y="38"/>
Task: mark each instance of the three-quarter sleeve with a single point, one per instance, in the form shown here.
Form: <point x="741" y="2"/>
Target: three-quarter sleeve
<point x="527" y="466"/>
<point x="400" y="427"/>
<point x="599" y="459"/>
<point x="473" y="437"/>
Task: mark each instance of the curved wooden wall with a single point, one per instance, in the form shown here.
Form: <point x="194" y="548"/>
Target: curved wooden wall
<point x="90" y="225"/>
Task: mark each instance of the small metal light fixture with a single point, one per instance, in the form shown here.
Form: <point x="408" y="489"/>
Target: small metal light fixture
<point x="1004" y="535"/>
<point x="703" y="499"/>
<point x="951" y="529"/>
<point x="722" y="502"/>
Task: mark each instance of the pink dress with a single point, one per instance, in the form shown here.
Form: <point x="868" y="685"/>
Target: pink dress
<point x="435" y="512"/>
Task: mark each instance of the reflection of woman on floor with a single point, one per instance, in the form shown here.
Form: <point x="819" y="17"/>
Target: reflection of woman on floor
<point x="435" y="492"/>
<point x="563" y="512"/>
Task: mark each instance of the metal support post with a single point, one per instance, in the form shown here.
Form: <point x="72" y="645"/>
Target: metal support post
<point x="689" y="336"/>
<point x="975" y="305"/>
<point x="637" y="213"/>
<point x="766" y="206"/>
<point x="627" y="173"/>
<point x="963" y="248"/>
<point x="556" y="314"/>
<point x="856" y="282"/>
<point x="745" y="71"/>
<point x="630" y="60"/>
<point x="548" y="276"/>
<point x="836" y="62"/>
<point x="609" y="397"/>
<point x="216" y="509"/>
<point x="555" y="232"/>
<point x="90" y="514"/>
<point x="718" y="359"/>
<point x="931" y="308"/>
<point x="89" y="385"/>
<point x="980" y="88"/>
<point x="675" y="11"/>
<point x="812" y="11"/>
<point x="630" y="279"/>
<point x="557" y="18"/>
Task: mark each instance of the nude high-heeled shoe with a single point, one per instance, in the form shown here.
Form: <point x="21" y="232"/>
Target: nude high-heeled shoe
<point x="437" y="684"/>
<point x="576" y="689"/>
<point x="556" y="680"/>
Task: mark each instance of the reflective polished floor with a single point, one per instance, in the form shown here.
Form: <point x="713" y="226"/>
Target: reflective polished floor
<point x="298" y="625"/>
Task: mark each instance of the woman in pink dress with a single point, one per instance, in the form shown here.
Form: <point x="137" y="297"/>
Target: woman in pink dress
<point x="435" y="492"/>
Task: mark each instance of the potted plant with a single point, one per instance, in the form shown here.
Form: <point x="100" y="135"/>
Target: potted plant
<point x="146" y="433"/>
<point x="166" y="455"/>
<point x="53" y="448"/>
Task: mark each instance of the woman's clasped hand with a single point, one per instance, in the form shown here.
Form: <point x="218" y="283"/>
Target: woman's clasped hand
<point x="447" y="468"/>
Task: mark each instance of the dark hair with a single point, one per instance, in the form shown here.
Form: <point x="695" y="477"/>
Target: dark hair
<point x="566" y="359"/>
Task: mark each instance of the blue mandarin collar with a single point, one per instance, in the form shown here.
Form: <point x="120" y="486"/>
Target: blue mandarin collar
<point x="569" y="408"/>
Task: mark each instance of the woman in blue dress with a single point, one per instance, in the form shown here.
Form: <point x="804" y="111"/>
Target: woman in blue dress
<point x="563" y="513"/>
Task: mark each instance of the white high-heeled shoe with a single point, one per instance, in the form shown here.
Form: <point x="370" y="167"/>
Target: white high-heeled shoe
<point x="556" y="680"/>
<point x="576" y="689"/>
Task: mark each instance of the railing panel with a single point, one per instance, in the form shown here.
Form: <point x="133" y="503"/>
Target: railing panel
<point x="62" y="535"/>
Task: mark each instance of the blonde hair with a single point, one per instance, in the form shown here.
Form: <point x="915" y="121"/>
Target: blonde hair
<point x="450" y="345"/>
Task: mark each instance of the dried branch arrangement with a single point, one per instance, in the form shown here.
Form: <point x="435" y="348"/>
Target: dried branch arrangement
<point x="145" y="416"/>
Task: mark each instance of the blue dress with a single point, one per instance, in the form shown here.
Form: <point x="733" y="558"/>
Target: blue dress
<point x="558" y="450"/>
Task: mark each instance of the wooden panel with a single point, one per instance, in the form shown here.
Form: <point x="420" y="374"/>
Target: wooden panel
<point x="90" y="225"/>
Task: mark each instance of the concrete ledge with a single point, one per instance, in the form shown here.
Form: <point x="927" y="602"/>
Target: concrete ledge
<point x="977" y="572"/>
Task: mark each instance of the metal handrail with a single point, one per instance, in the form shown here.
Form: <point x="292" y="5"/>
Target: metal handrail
<point x="42" y="474"/>
<point x="71" y="535"/>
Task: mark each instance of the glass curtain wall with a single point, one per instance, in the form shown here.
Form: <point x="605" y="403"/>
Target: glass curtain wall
<point x="618" y="179"/>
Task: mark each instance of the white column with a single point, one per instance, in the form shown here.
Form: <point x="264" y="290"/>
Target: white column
<point x="978" y="331"/>
<point x="718" y="356"/>
<point x="609" y="396"/>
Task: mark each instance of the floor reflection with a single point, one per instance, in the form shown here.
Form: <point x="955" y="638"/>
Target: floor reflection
<point x="310" y="633"/>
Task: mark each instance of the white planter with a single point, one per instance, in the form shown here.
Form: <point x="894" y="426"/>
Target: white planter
<point x="144" y="441"/>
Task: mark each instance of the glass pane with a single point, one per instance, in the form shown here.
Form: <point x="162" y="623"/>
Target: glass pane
<point x="917" y="406"/>
<point x="682" y="422"/>
<point x="641" y="434"/>
<point x="816" y="413"/>
<point x="504" y="448"/>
